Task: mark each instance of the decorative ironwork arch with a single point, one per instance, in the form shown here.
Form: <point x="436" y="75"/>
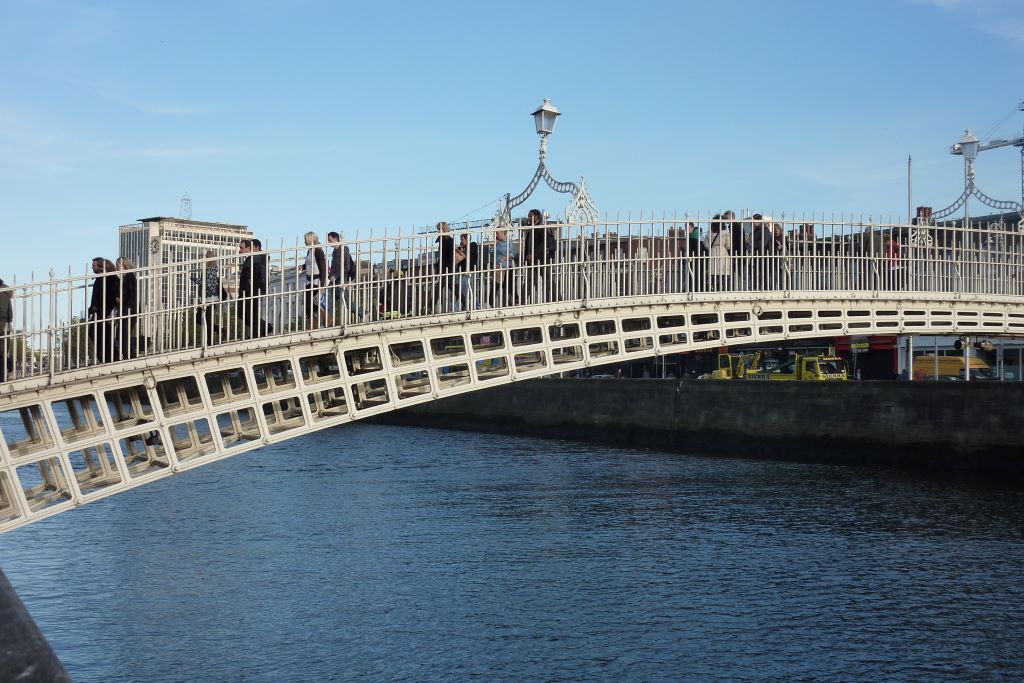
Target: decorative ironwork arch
<point x="972" y="190"/>
<point x="580" y="209"/>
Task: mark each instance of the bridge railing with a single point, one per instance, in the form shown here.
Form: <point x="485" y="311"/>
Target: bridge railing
<point x="65" y="324"/>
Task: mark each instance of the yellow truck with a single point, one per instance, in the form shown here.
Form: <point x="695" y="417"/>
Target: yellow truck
<point x="820" y="368"/>
<point x="950" y="368"/>
<point x="736" y="365"/>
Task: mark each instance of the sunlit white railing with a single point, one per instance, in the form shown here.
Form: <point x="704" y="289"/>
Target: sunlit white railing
<point x="57" y="326"/>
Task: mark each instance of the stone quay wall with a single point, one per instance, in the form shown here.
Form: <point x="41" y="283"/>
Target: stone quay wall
<point x="954" y="426"/>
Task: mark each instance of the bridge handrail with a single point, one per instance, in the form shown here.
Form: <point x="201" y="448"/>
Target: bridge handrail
<point x="403" y="277"/>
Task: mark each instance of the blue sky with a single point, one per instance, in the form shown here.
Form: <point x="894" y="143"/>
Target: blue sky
<point x="332" y="115"/>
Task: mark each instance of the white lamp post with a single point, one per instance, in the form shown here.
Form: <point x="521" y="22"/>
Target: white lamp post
<point x="545" y="116"/>
<point x="544" y="119"/>
<point x="969" y="146"/>
<point x="580" y="208"/>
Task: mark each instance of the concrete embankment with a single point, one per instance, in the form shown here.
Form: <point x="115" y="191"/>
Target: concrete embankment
<point x="974" y="427"/>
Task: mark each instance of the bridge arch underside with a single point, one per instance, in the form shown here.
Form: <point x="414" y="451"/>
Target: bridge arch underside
<point x="121" y="426"/>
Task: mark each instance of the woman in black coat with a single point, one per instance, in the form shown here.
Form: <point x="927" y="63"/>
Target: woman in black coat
<point x="102" y="307"/>
<point x="128" y="308"/>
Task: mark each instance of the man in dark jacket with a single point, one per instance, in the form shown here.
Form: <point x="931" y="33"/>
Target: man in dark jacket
<point x="343" y="270"/>
<point x="696" y="249"/>
<point x="252" y="286"/>
<point x="106" y="289"/>
<point x="740" y="249"/>
<point x="540" y="247"/>
<point x="760" y="248"/>
<point x="128" y="309"/>
<point x="261" y="270"/>
<point x="445" y="265"/>
<point x="6" y="328"/>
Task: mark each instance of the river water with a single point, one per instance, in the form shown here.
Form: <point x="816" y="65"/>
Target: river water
<point x="386" y="553"/>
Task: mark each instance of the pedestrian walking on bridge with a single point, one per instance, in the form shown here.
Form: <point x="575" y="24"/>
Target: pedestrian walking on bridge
<point x="6" y="329"/>
<point x="102" y="308"/>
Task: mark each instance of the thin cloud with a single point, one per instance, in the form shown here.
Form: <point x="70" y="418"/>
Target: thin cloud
<point x="58" y="23"/>
<point x="26" y="144"/>
<point x="184" y="152"/>
<point x="941" y="4"/>
<point x="848" y="175"/>
<point x="29" y="144"/>
<point x="157" y="108"/>
<point x="87" y="25"/>
<point x="126" y="95"/>
<point x="1003" y="19"/>
<point x="1011" y="30"/>
<point x="173" y="110"/>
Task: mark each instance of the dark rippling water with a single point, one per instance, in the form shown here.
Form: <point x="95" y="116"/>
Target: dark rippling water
<point x="384" y="553"/>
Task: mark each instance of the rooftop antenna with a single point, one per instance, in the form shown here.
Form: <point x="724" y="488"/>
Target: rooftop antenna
<point x="186" y="206"/>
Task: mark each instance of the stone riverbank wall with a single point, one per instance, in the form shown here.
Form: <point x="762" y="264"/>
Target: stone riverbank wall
<point x="975" y="426"/>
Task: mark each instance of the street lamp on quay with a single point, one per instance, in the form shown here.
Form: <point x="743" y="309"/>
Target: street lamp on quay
<point x="581" y="207"/>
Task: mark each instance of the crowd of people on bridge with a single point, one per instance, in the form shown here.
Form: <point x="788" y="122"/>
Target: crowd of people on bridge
<point x="111" y="332"/>
<point x="111" y="328"/>
<point x="758" y="254"/>
<point x="528" y="262"/>
<point x="518" y="271"/>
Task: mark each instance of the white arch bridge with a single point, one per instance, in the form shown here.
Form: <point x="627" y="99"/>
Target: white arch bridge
<point x="160" y="380"/>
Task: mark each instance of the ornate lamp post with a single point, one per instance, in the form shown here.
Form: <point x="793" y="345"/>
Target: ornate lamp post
<point x="969" y="148"/>
<point x="545" y="119"/>
<point x="581" y="207"/>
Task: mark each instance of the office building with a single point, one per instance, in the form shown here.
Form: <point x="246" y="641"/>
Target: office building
<point x="174" y="242"/>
